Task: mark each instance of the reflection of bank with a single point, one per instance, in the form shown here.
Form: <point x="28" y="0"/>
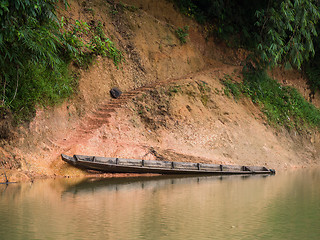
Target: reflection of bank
<point x="147" y="183"/>
<point x="164" y="207"/>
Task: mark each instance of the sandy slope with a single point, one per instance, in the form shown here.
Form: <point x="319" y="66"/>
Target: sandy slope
<point x="173" y="104"/>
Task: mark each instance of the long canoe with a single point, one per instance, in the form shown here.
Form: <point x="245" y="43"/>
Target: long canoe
<point x="122" y="165"/>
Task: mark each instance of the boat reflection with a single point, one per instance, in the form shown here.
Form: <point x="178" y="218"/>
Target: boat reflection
<point x="94" y="184"/>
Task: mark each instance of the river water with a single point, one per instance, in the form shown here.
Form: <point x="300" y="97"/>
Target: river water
<point x="284" y="206"/>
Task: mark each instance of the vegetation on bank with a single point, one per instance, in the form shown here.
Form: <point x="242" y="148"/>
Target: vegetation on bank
<point x="182" y="34"/>
<point x="36" y="50"/>
<point x="283" y="105"/>
<point x="276" y="33"/>
<point x="279" y="31"/>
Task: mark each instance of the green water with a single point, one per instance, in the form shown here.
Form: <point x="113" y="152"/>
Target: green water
<point x="284" y="206"/>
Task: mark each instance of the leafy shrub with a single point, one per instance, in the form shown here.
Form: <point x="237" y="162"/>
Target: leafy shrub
<point x="103" y="46"/>
<point x="287" y="31"/>
<point x="182" y="34"/>
<point x="29" y="43"/>
<point x="83" y="41"/>
<point x="40" y="86"/>
<point x="204" y="92"/>
<point x="279" y="32"/>
<point x="36" y="50"/>
<point x="231" y="87"/>
<point x="283" y="106"/>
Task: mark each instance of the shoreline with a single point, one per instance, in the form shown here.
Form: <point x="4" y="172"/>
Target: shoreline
<point x="16" y="176"/>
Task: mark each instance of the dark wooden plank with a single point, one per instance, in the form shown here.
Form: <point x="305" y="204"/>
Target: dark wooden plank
<point x="129" y="162"/>
<point x="209" y="167"/>
<point x="257" y="168"/>
<point x="185" y="165"/>
<point x="157" y="164"/>
<point x="233" y="168"/>
<point x="83" y="158"/>
<point x="105" y="160"/>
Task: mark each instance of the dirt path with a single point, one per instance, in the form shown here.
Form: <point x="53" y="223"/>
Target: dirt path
<point x="107" y="111"/>
<point x="102" y="115"/>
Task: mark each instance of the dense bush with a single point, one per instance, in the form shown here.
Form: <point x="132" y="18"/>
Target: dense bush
<point x="36" y="49"/>
<point x="28" y="41"/>
<point x="279" y="32"/>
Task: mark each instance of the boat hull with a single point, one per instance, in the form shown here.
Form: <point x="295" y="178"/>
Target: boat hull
<point x="120" y="165"/>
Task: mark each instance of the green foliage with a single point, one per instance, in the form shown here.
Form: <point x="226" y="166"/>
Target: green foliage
<point x="83" y="42"/>
<point x="232" y="87"/>
<point x="204" y="92"/>
<point x="28" y="40"/>
<point x="36" y="50"/>
<point x="283" y="106"/>
<point x="174" y="89"/>
<point x="40" y="86"/>
<point x="72" y="37"/>
<point x="182" y="34"/>
<point x="280" y="32"/>
<point x="288" y="29"/>
<point x="103" y="46"/>
<point x="27" y="33"/>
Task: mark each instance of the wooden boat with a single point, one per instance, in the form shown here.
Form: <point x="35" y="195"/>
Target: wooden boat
<point x="121" y="165"/>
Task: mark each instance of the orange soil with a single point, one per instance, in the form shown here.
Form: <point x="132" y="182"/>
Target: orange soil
<point x="151" y="119"/>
